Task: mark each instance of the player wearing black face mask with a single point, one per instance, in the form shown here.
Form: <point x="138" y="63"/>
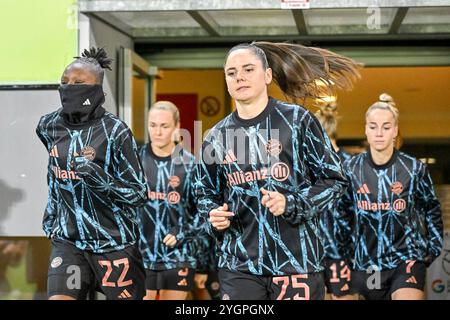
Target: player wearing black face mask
<point x="81" y="103"/>
<point x="95" y="184"/>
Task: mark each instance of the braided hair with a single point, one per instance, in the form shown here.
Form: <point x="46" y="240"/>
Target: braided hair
<point x="96" y="60"/>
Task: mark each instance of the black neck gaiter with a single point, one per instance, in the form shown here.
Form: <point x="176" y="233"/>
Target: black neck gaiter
<point x="81" y="102"/>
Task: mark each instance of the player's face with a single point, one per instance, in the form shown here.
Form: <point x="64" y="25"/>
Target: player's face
<point x="245" y="76"/>
<point x="161" y="127"/>
<point x="76" y="73"/>
<point x="381" y="129"/>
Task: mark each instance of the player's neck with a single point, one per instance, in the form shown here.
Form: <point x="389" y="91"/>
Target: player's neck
<point x="381" y="157"/>
<point x="250" y="109"/>
<point x="163" y="151"/>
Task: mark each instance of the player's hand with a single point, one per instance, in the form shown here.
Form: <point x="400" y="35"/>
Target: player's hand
<point x="219" y="217"/>
<point x="274" y="201"/>
<point x="80" y="161"/>
<point x="170" y="240"/>
<point x="200" y="280"/>
<point x="82" y="166"/>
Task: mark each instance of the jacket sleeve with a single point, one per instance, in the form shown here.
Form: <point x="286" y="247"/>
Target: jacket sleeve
<point x="190" y="226"/>
<point x="208" y="185"/>
<point x="50" y="209"/>
<point x="203" y="240"/>
<point x="328" y="181"/>
<point x="344" y="216"/>
<point x="127" y="184"/>
<point x="431" y="208"/>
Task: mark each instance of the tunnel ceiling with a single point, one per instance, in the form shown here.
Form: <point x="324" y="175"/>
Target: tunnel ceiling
<point x="215" y="21"/>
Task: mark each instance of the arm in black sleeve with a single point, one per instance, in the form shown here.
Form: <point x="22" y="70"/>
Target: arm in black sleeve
<point x="50" y="209"/>
<point x="127" y="184"/>
<point x="344" y="217"/>
<point x="429" y="205"/>
<point x="328" y="179"/>
<point x="190" y="228"/>
<point x="208" y="186"/>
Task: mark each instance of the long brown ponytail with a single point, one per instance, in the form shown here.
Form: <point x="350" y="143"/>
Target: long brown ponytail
<point x="297" y="69"/>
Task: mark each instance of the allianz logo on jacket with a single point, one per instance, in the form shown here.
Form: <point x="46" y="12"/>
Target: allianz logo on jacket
<point x="278" y="171"/>
<point x="172" y="197"/>
<point x="399" y="205"/>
